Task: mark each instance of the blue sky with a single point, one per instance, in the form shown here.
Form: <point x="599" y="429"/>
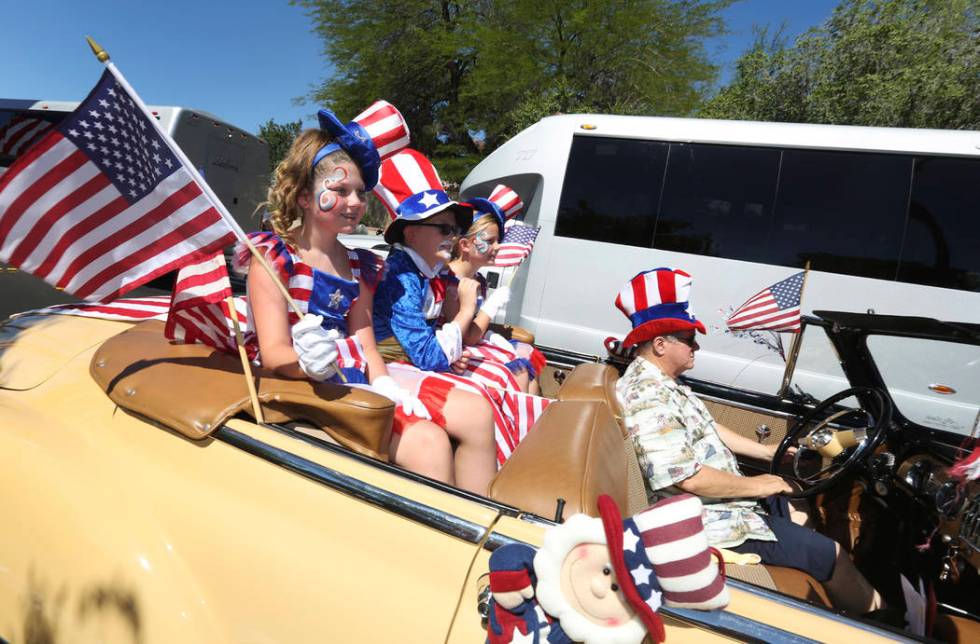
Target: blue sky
<point x="243" y="61"/>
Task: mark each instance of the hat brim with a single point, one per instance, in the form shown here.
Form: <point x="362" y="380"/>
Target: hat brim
<point x="395" y="232"/>
<point x="652" y="328"/>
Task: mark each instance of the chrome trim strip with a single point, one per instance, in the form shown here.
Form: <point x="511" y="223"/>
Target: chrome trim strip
<point x="397" y="504"/>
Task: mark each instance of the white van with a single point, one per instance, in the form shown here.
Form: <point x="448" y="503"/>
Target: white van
<point x="233" y="162"/>
<point x="889" y="220"/>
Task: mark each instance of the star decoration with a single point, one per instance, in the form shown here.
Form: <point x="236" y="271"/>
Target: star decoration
<point x="335" y="299"/>
<point x="429" y="199"/>
<point x="654" y="601"/>
<point x="630" y="539"/>
<point x="641" y="575"/>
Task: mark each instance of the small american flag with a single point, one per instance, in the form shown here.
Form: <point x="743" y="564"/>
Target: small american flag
<point x="775" y="308"/>
<point x="100" y="204"/>
<point x="516" y="245"/>
<point x="20" y="133"/>
<point x="199" y="311"/>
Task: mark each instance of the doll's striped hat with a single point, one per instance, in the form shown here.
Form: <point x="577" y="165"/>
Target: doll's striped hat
<point x="374" y="135"/>
<point x="657" y="303"/>
<point x="503" y="204"/>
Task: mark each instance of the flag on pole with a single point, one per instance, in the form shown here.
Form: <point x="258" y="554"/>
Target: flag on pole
<point x="100" y="204"/>
<point x="516" y="245"/>
<point x="135" y="309"/>
<point x="774" y="308"/>
<point x="199" y="310"/>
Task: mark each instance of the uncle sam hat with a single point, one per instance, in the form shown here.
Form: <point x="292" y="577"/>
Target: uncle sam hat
<point x="411" y="191"/>
<point x="374" y="135"/>
<point x="657" y="303"/>
<point x="503" y="204"/>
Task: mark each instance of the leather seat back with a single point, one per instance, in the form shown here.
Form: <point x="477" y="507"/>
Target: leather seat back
<point x="592" y="381"/>
<point x="574" y="452"/>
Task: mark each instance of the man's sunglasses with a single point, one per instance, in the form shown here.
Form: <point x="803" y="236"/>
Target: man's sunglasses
<point x="689" y="340"/>
<point x="447" y="230"/>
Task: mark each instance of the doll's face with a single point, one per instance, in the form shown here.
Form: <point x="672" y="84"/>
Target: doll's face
<point x="589" y="584"/>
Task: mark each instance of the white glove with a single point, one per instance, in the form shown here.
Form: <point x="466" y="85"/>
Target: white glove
<point x="498" y="340"/>
<point x="315" y="347"/>
<point x="387" y="387"/>
<point x="496" y="301"/>
<point x="450" y="338"/>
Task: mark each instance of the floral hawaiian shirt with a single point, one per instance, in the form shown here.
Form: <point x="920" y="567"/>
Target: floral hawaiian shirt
<point x="674" y="436"/>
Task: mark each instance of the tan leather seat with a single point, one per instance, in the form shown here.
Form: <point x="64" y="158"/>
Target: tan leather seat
<point x="597" y="383"/>
<point x="194" y="389"/>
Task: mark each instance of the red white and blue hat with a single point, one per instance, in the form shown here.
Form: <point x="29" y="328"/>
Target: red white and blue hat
<point x="503" y="204"/>
<point x="411" y="191"/>
<point x="657" y="303"/>
<point x="374" y="135"/>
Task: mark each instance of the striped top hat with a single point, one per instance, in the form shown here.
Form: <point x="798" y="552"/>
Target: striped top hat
<point x="374" y="135"/>
<point x="503" y="204"/>
<point x="411" y="191"/>
<point x="657" y="303"/>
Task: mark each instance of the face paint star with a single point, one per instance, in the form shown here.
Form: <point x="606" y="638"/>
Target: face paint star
<point x="630" y="539"/>
<point x="641" y="575"/>
<point x="429" y="199"/>
<point x="335" y="299"/>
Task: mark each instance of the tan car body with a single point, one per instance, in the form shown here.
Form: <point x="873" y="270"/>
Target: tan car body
<point x="118" y="530"/>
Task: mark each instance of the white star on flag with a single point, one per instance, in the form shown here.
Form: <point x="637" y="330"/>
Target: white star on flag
<point x="630" y="540"/>
<point x="429" y="199"/>
<point x="654" y="601"/>
<point x="641" y="575"/>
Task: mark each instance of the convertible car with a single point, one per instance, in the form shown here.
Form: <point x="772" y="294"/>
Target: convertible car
<point x="142" y="503"/>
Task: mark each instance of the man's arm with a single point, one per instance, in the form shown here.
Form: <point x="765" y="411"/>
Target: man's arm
<point x="745" y="446"/>
<point x="711" y="482"/>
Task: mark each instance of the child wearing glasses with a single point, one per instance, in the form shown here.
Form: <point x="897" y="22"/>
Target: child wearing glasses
<point x="320" y="191"/>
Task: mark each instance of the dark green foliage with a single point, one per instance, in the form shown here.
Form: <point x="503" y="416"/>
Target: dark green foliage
<point x="456" y="69"/>
<point x="897" y="63"/>
<point x="279" y="136"/>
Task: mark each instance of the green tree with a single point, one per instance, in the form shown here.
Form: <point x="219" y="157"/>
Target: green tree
<point x="467" y="75"/>
<point x="897" y="63"/>
<point x="279" y="136"/>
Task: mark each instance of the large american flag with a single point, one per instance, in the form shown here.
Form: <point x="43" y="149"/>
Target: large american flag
<point x="516" y="245"/>
<point x="101" y="205"/>
<point x="775" y="308"/>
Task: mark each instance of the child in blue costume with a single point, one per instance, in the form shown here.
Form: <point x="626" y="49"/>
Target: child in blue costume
<point x="319" y="192"/>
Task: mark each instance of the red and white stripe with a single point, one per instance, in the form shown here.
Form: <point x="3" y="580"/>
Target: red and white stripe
<point x="199" y="311"/>
<point x="406" y="173"/>
<point x="654" y="287"/>
<point x="761" y="312"/>
<point x="62" y="220"/>
<point x="386" y="126"/>
<point x="20" y="133"/>
<point x="134" y="309"/>
<point x="508" y="201"/>
<point x="488" y="351"/>
<point x="673" y="535"/>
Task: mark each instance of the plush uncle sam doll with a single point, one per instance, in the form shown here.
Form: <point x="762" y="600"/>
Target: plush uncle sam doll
<point x="602" y="580"/>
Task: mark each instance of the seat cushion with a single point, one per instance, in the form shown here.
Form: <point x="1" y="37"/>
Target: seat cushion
<point x="193" y="389"/>
<point x="574" y="452"/>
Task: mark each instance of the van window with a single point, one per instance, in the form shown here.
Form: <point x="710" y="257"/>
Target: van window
<point x="611" y="190"/>
<point x="843" y="211"/>
<point x="943" y="232"/>
<point x="717" y="200"/>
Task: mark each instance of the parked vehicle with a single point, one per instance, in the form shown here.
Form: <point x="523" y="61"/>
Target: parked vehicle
<point x="142" y="502"/>
<point x="889" y="220"/>
<point x="233" y="162"/>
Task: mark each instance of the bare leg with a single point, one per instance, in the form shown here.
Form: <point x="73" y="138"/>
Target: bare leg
<point x="424" y="448"/>
<point x="532" y="387"/>
<point x="523" y="379"/>
<point x="469" y="422"/>
<point x="848" y="589"/>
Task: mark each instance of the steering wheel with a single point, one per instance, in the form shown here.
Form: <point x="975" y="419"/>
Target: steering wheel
<point x="841" y="450"/>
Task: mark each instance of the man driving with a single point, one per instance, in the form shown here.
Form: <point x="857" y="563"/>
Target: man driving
<point x="682" y="449"/>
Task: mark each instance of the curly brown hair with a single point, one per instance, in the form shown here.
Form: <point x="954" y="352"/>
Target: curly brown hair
<point x="294" y="174"/>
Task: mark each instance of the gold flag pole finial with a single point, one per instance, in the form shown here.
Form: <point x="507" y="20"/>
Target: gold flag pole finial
<point x="100" y="53"/>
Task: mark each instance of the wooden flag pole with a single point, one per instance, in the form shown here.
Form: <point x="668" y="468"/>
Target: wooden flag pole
<point x="794" y="349"/>
<point x="246" y="365"/>
<point x="103" y="57"/>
